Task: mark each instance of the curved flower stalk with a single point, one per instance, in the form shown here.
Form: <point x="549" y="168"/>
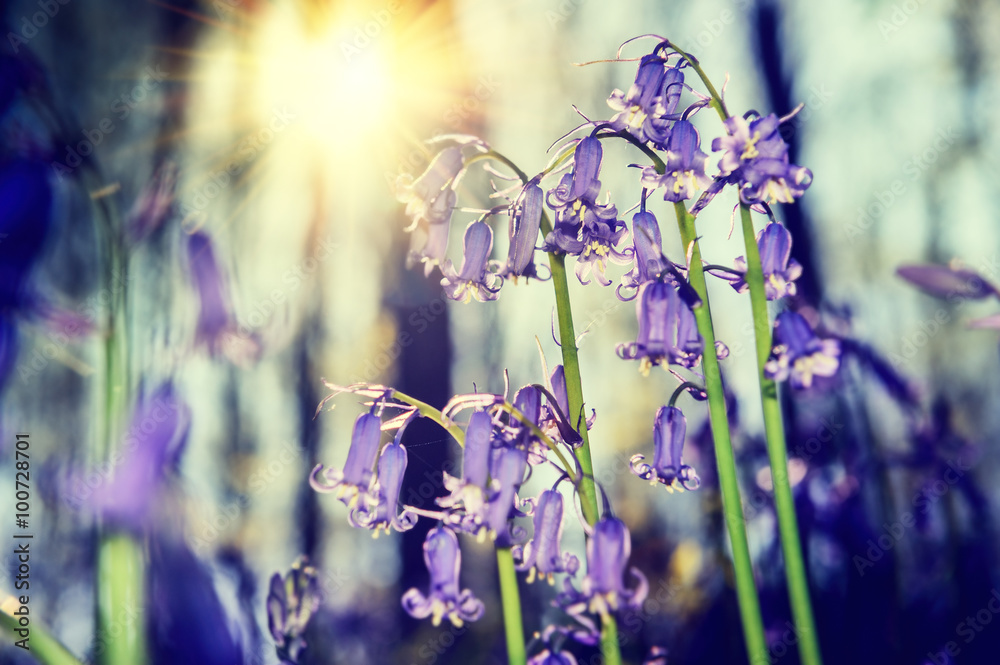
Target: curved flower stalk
<point x="668" y="332"/>
<point x="291" y="603"/>
<point x="445" y="599"/>
<point x="756" y="158"/>
<point x="798" y="354"/>
<point x="780" y="271"/>
<point x="351" y="484"/>
<point x="669" y="430"/>
<point x="474" y="280"/>
<point x="542" y="556"/>
<point x="603" y="590"/>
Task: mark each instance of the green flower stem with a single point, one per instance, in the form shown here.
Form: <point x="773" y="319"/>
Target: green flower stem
<point x="44" y="647"/>
<point x="746" y="590"/>
<point x="510" y="596"/>
<point x="120" y="558"/>
<point x="795" y="569"/>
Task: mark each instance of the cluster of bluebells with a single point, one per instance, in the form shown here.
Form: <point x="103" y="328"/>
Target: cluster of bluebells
<point x="565" y="212"/>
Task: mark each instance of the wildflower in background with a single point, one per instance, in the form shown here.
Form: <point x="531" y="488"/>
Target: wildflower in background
<point x="669" y="431"/>
<point x="647" y="252"/>
<point x="756" y="157"/>
<point x="525" y="220"/>
<point x="382" y="512"/>
<point x="444" y="600"/>
<point x="542" y="555"/>
<point x="428" y="244"/>
<point x="546" y="657"/>
<point x="149" y="450"/>
<point x="603" y="589"/>
<point x="685" y="165"/>
<point x="798" y="354"/>
<point x="954" y="281"/>
<point x="152" y="207"/>
<point x="470" y="492"/>
<point x="216" y="327"/>
<point x="291" y="604"/>
<point x="351" y="485"/>
<point x="474" y="280"/>
<point x="651" y="102"/>
<point x="780" y="270"/>
<point x="668" y="332"/>
<point x="508" y="475"/>
<point x="427" y="198"/>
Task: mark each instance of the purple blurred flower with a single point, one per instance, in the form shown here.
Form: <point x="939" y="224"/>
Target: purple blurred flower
<point x="428" y="244"/>
<point x="351" y="484"/>
<point x="669" y="431"/>
<point x="153" y="204"/>
<point x="603" y="589"/>
<point x="381" y="511"/>
<point x="647" y="253"/>
<point x="798" y="354"/>
<point x="780" y="270"/>
<point x="149" y="449"/>
<point x="291" y="604"/>
<point x="756" y="157"/>
<point x="215" y="317"/>
<point x="25" y="218"/>
<point x="685" y="172"/>
<point x="668" y="332"/>
<point x="474" y="280"/>
<point x="445" y="599"/>
<point x="470" y="492"/>
<point x="542" y="555"/>
<point x="948" y="281"/>
<point x="525" y="219"/>
<point x="546" y="657"/>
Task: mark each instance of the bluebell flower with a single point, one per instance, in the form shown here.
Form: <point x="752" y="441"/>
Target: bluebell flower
<point x="427" y="198"/>
<point x="528" y="400"/>
<point x="756" y="157"/>
<point x="149" y="449"/>
<point x="351" y="485"/>
<point x="649" y="261"/>
<point x="291" y="603"/>
<point x="474" y="280"/>
<point x="525" y="221"/>
<point x="381" y="510"/>
<point x="685" y="165"/>
<point x="780" y="271"/>
<point x="546" y="657"/>
<point x="798" y="354"/>
<point x="953" y="281"/>
<point x="470" y="492"/>
<point x="651" y="102"/>
<point x="446" y="599"/>
<point x="593" y="243"/>
<point x="508" y="474"/>
<point x="668" y="332"/>
<point x="669" y="431"/>
<point x="215" y="315"/>
<point x="555" y="426"/>
<point x="603" y="590"/>
<point x="428" y="245"/>
<point x="542" y="555"/>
